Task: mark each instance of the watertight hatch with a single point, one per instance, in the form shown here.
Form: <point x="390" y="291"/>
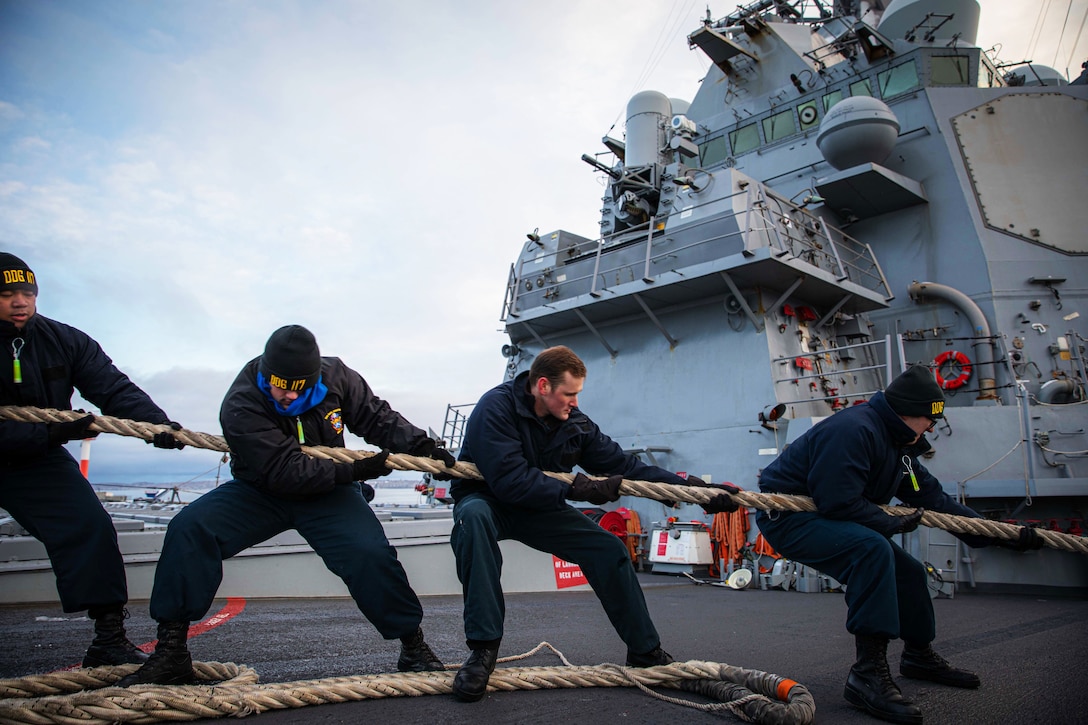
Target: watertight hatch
<point x="1033" y="134"/>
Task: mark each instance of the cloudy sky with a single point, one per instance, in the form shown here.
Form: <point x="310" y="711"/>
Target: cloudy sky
<point x="185" y="176"/>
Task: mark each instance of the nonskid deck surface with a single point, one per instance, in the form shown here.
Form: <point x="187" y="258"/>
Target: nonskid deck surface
<point x="1028" y="650"/>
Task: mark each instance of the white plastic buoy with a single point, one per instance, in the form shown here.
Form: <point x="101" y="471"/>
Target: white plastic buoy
<point x="740" y="579"/>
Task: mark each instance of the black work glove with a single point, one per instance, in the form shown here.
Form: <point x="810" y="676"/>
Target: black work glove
<point x="429" y="448"/>
<point x="167" y="440"/>
<point x="366" y="469"/>
<point x="909" y="522"/>
<point x="61" y="433"/>
<point x="367" y="491"/>
<point x="1028" y="540"/>
<point x="595" y="491"/>
<point x="723" y="503"/>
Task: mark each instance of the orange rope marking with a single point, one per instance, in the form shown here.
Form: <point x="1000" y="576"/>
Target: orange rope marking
<point x="783" y="690"/>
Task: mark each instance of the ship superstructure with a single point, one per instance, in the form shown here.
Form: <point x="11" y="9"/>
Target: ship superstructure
<point x="851" y="190"/>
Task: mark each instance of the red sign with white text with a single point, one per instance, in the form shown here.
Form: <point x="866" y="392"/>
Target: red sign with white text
<point x="567" y="575"/>
<point x="662" y="543"/>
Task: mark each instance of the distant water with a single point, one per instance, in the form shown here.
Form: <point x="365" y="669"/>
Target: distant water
<point x="394" y="492"/>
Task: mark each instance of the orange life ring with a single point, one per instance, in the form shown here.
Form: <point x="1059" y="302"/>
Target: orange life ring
<point x="953" y="359"/>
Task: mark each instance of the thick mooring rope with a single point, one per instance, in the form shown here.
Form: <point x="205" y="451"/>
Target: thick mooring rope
<point x="87" y="696"/>
<point x="645" y="489"/>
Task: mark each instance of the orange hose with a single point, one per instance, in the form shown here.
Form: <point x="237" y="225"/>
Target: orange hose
<point x="728" y="537"/>
<point x="760" y="547"/>
<point x="634" y="534"/>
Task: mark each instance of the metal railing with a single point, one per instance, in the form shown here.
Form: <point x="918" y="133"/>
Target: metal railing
<point x="871" y="350"/>
<point x="453" y="427"/>
<point x="801" y="234"/>
<point x="766" y="221"/>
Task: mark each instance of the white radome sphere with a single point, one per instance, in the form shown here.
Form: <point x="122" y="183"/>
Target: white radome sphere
<point x="857" y="131"/>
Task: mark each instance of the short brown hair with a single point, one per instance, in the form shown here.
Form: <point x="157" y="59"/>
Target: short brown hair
<point x="553" y="362"/>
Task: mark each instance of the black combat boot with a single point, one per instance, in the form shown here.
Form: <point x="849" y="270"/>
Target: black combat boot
<point x="170" y="664"/>
<point x="870" y="685"/>
<point x="416" y="655"/>
<point x="920" y="662"/>
<point x="470" y="684"/>
<point x="654" y="657"/>
<point x="110" y="645"/>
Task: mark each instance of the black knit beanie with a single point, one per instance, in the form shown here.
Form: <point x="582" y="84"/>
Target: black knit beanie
<point x="916" y="392"/>
<point x="291" y="359"/>
<point x="14" y="274"/>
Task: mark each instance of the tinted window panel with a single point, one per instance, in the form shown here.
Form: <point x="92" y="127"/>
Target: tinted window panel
<point x="900" y="79"/>
<point x="949" y="71"/>
<point x="713" y="151"/>
<point x="779" y="126"/>
<point x="744" y="139"/>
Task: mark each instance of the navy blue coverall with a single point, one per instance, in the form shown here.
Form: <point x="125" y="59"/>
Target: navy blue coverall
<point x="40" y="484"/>
<point x="512" y="447"/>
<point x="277" y="487"/>
<point x="850" y="464"/>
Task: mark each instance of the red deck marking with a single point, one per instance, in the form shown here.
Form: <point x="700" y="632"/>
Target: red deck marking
<point x="232" y="609"/>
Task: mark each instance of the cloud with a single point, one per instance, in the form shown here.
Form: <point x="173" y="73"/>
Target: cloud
<point x="184" y="187"/>
<point x="10" y="112"/>
<point x="29" y="144"/>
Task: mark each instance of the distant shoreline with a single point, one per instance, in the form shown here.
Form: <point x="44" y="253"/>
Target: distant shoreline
<point x="205" y="485"/>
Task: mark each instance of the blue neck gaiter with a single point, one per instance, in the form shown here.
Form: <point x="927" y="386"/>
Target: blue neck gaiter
<point x="310" y="397"/>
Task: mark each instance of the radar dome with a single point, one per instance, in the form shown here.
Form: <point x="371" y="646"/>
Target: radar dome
<point x="648" y="113"/>
<point x="914" y="20"/>
<point x="859" y="130"/>
<point x="1033" y="74"/>
<point x="679" y="106"/>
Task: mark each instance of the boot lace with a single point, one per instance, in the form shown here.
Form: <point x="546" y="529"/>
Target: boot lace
<point x="929" y="658"/>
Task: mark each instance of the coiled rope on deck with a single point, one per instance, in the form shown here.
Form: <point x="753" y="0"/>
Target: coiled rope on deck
<point x="645" y="489"/>
<point x="87" y="696"/>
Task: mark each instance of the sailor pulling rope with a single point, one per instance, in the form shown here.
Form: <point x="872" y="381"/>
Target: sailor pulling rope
<point x="645" y="489"/>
